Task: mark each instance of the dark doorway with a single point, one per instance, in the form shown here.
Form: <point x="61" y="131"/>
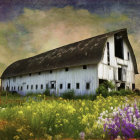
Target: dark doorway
<point x="119" y="52"/>
<point x="120" y="74"/>
<point x="133" y="86"/>
<point x="101" y="81"/>
<point x="122" y="86"/>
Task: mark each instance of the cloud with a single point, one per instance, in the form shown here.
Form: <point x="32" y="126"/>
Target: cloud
<point x="36" y="31"/>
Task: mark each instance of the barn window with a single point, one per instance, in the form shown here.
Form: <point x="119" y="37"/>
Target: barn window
<point x="31" y="86"/>
<point x="119" y="73"/>
<point x="66" y="69"/>
<point x="41" y="86"/>
<point x="52" y="85"/>
<point x="21" y="88"/>
<point x="39" y="73"/>
<point x="50" y="71"/>
<point x="128" y="56"/>
<point x="84" y="66"/>
<point x="14" y="88"/>
<point x="87" y="85"/>
<point x="69" y="86"/>
<point x="36" y="86"/>
<point x="47" y="86"/>
<point x="108" y="54"/>
<point x="77" y="85"/>
<point x="61" y="86"/>
<point x="119" y="52"/>
<point x="27" y="86"/>
<point x="18" y="88"/>
<point x="30" y="74"/>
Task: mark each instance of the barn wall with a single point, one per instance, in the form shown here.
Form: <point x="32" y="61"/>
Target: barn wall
<point x="110" y="72"/>
<point x="73" y="76"/>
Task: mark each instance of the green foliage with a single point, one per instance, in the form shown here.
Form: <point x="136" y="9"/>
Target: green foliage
<point x="58" y="118"/>
<point x="86" y="96"/>
<point x="47" y="92"/>
<point x="104" y="88"/>
<point x="69" y="94"/>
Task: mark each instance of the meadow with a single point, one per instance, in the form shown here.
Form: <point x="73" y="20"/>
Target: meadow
<point x="44" y="117"/>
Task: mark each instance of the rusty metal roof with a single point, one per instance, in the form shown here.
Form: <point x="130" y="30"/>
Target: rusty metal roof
<point x="88" y="51"/>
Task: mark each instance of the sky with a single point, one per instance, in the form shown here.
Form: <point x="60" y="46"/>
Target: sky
<point x="30" y="27"/>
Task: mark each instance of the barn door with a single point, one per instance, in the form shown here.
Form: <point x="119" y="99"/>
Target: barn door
<point x="53" y="87"/>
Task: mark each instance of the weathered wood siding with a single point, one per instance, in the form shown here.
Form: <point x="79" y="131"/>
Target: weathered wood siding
<point x="110" y="72"/>
<point x="73" y="76"/>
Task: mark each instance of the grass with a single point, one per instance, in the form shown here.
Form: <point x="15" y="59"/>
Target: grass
<point x="39" y="116"/>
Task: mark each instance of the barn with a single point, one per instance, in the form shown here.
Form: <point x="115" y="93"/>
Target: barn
<point x="81" y="66"/>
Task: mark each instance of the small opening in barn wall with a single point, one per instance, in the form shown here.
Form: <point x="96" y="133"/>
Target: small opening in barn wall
<point x="14" y="88"/>
<point x="84" y="66"/>
<point x="108" y="54"/>
<point x="36" y="86"/>
<point x="66" y="69"/>
<point x="52" y="85"/>
<point x="69" y="86"/>
<point x="41" y="86"/>
<point x="47" y="86"/>
<point x="39" y="73"/>
<point x="120" y="74"/>
<point x="128" y="55"/>
<point x="61" y="86"/>
<point x="88" y="85"/>
<point x="133" y="86"/>
<point x="77" y="85"/>
<point x="50" y="71"/>
<point x="21" y="88"/>
<point x="18" y="88"/>
<point x="31" y="86"/>
<point x="27" y="86"/>
<point x="101" y="81"/>
<point x="119" y="51"/>
<point x="30" y="74"/>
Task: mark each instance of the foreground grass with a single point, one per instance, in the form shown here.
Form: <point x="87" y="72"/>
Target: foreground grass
<point x="47" y="118"/>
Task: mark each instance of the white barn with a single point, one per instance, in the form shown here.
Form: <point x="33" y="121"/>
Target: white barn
<point x="79" y="66"/>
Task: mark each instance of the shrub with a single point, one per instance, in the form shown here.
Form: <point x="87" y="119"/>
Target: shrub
<point x="69" y="94"/>
<point x="47" y="92"/>
<point x="103" y="89"/>
<point x="137" y="91"/>
<point x="4" y="93"/>
<point x="124" y="92"/>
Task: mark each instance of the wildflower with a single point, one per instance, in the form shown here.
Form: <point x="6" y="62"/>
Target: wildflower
<point x="19" y="130"/>
<point x="20" y="112"/>
<point x="82" y="135"/>
<point x="28" y="107"/>
<point x="31" y="134"/>
<point x="16" y="137"/>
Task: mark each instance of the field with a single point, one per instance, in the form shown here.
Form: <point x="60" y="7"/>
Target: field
<point x="42" y="117"/>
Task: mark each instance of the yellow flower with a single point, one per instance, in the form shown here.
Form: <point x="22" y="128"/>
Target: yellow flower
<point x="31" y="134"/>
<point x="20" y="112"/>
<point x="16" y="137"/>
<point x="28" y="107"/>
<point x="57" y="114"/>
<point x="19" y="130"/>
<point x="34" y="113"/>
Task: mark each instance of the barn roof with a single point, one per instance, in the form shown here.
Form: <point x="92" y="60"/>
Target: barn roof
<point x="88" y="51"/>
